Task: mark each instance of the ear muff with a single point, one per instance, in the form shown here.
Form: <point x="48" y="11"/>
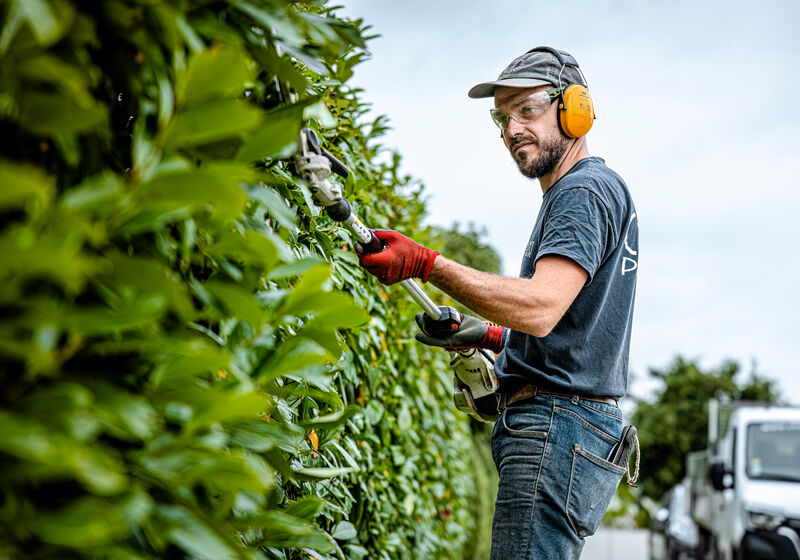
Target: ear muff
<point x="575" y="111"/>
<point x="575" y="107"/>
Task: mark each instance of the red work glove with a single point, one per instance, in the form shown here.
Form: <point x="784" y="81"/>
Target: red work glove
<point x="403" y="258"/>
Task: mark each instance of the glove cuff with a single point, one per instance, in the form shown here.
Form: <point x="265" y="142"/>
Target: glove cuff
<point x="494" y="339"/>
<point x="426" y="270"/>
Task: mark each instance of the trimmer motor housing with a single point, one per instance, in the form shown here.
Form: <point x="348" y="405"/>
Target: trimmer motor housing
<point x="475" y="385"/>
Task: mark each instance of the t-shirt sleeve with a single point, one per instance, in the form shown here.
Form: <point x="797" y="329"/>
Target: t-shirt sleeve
<point x="576" y="227"/>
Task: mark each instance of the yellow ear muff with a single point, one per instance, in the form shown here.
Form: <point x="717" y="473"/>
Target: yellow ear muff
<point x="575" y="111"/>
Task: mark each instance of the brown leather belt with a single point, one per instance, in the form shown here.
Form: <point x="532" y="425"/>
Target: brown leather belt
<point x="522" y="392"/>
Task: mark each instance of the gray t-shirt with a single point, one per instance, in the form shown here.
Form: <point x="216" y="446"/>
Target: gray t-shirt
<point x="589" y="217"/>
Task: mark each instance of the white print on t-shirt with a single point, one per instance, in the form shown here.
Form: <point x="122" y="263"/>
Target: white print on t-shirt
<point x="629" y="264"/>
<point x="529" y="248"/>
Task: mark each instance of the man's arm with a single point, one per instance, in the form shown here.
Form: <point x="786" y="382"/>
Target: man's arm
<point x="530" y="305"/>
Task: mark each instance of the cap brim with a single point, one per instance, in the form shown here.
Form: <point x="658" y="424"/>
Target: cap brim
<point x="486" y="89"/>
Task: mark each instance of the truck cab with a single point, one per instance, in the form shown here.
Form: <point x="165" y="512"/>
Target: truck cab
<point x="748" y="503"/>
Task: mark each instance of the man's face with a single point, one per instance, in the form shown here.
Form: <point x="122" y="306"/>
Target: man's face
<point x="536" y="146"/>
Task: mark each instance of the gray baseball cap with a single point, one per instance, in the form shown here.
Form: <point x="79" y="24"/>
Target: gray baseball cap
<point x="537" y="67"/>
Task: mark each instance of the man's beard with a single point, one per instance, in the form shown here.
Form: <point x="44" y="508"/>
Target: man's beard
<point x="550" y="152"/>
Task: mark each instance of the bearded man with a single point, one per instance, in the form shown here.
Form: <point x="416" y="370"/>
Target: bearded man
<point x="566" y="321"/>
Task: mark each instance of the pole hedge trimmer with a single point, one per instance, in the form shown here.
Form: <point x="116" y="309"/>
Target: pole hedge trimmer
<point x="475" y="380"/>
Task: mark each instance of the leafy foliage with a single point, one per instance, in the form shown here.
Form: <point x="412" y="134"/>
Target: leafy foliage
<point x="192" y="365"/>
<point x="467" y="246"/>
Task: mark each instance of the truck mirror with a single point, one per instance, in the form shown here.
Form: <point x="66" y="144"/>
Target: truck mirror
<point x="727" y="480"/>
<point x="660" y="518"/>
<point x="720" y="477"/>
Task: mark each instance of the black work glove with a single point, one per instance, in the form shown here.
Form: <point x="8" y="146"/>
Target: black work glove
<point x="471" y="333"/>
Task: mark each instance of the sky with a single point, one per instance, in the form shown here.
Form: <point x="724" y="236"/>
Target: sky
<point x="695" y="109"/>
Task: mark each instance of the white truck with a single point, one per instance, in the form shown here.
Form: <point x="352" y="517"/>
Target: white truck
<point x="745" y="487"/>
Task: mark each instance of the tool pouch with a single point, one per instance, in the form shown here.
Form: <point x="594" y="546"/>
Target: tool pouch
<point x="621" y="453"/>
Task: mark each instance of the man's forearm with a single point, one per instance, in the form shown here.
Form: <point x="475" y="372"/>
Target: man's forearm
<point x="512" y="302"/>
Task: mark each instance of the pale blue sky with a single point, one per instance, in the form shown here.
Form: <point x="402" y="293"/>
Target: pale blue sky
<point x="696" y="109"/>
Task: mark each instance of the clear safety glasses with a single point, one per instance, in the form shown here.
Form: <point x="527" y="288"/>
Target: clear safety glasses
<point x="527" y="110"/>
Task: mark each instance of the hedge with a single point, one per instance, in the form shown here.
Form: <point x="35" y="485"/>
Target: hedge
<point x="192" y="363"/>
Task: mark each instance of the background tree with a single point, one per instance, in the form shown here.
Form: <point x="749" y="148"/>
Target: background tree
<point x="467" y="246"/>
<point x="675" y="421"/>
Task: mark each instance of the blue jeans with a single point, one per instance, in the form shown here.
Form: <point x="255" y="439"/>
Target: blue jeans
<point x="555" y="484"/>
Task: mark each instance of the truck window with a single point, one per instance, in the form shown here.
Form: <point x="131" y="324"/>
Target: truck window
<point x="773" y="451"/>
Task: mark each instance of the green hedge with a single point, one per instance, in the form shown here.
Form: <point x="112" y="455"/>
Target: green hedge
<point x="192" y="364"/>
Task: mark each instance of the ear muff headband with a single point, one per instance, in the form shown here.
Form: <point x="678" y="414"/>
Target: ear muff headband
<point x="575" y="106"/>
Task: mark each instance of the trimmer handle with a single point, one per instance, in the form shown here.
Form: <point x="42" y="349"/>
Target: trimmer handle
<point x="338" y="208"/>
<point x="448" y="323"/>
<point x="374" y="245"/>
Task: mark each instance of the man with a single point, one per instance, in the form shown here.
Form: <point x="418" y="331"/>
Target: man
<point x="564" y="358"/>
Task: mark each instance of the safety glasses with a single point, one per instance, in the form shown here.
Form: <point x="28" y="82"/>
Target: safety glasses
<point x="527" y="110"/>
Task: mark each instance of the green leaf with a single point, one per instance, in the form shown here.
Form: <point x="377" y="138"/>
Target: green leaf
<point x="281" y="530"/>
<point x="306" y="508"/>
<point x="102" y="191"/>
<point x="276" y="206"/>
<point x="33" y="442"/>
<point x="325" y="338"/>
<point x="146" y="276"/>
<point x="348" y="458"/>
<point x="238" y="301"/>
<point x="321" y="473"/>
<point x="128" y="413"/>
<point x="356" y="552"/>
<point x="56" y="115"/>
<point x="214" y="74"/>
<point x="344" y="531"/>
<point x="287" y="28"/>
<point x="59" y="259"/>
<point x="332" y="420"/>
<point x="47" y="24"/>
<point x="282" y="68"/>
<point x="194" y="536"/>
<point x="212" y="121"/>
<point x="250" y="247"/>
<point x="24" y="184"/>
<point x="291" y="358"/>
<point x="131" y="314"/>
<point x="307" y="59"/>
<point x="214" y="187"/>
<point x="262" y="436"/>
<point x="49" y="69"/>
<point x="179" y="362"/>
<point x="320" y="112"/>
<point x="295" y="268"/>
<point x="277" y="136"/>
<point x="312" y="288"/>
<point x="227" y="406"/>
<point x="237" y="472"/>
<point x="337" y="311"/>
<point x="92" y="521"/>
